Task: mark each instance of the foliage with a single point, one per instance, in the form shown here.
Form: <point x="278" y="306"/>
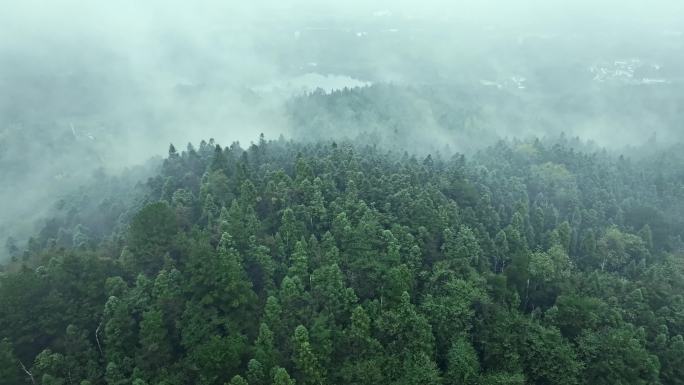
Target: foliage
<point x="329" y="263"/>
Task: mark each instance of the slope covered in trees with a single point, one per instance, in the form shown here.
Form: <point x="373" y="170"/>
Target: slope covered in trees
<point x="471" y="115"/>
<point x="327" y="263"/>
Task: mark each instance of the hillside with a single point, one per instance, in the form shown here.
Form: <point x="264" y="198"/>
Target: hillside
<point x="528" y="262"/>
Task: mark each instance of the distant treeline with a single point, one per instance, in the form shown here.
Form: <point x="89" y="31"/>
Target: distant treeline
<point x="469" y="116"/>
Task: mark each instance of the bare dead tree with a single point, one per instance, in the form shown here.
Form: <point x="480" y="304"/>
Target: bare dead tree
<point x="97" y="338"/>
<point x="33" y="381"/>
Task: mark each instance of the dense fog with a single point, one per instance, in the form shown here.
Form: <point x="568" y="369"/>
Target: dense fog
<point x="105" y="85"/>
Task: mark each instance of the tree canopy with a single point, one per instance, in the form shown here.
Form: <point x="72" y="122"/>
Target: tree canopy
<point x="339" y="263"/>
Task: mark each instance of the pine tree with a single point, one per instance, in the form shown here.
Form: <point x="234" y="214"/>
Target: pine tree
<point x="281" y="377"/>
<point x="308" y="368"/>
<point x="9" y="364"/>
<point x="463" y="366"/>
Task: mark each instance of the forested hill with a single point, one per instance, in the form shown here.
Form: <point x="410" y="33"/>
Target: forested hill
<point x="326" y="263"/>
<point x="468" y="117"/>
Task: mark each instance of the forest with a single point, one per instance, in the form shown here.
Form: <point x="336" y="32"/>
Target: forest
<point x="307" y="192"/>
<point x="528" y="262"/>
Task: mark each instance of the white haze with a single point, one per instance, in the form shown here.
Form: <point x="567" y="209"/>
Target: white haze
<point x="108" y="84"/>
